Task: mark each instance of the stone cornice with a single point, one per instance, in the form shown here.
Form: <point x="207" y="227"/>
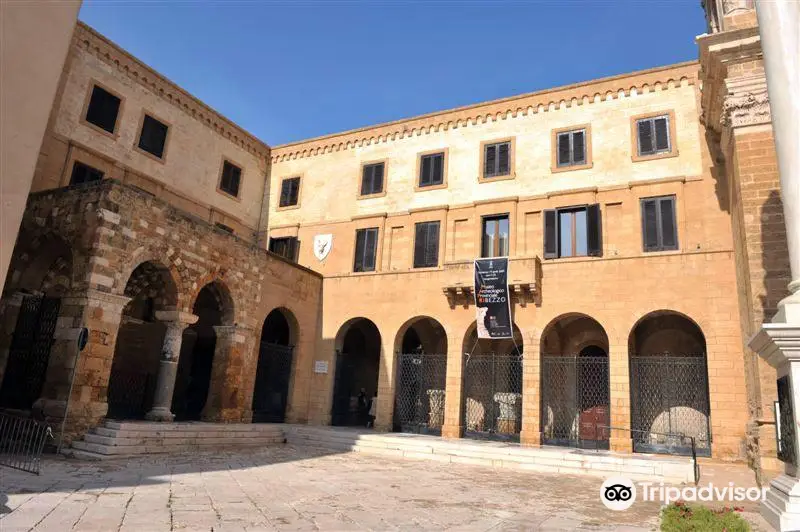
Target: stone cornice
<point x="596" y="91"/>
<point x="86" y="38"/>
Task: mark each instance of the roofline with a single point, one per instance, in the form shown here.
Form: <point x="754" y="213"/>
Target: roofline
<point x="490" y="102"/>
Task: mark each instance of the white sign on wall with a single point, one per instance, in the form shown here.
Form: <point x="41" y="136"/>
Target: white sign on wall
<point x="322" y="246"/>
<point x="321" y="366"/>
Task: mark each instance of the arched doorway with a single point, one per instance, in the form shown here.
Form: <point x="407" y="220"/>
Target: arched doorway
<point x="274" y="371"/>
<point x="358" y="355"/>
<point x="421" y="344"/>
<point x="214" y="308"/>
<point x="669" y="385"/>
<point x="40" y="274"/>
<point x="134" y="368"/>
<point x="492" y="395"/>
<point x="575" y="408"/>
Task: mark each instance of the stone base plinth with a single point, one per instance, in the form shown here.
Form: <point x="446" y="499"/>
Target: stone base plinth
<point x="781" y="507"/>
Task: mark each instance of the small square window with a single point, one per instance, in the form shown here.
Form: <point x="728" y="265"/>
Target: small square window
<point x="571" y="149"/>
<point x="653" y="135"/>
<point x="659" y="227"/>
<point x="153" y="137"/>
<point x="431" y="170"/>
<point x="230" y="179"/>
<point x="372" y="178"/>
<point x="366" y="250"/>
<point x="290" y="192"/>
<point x="83" y="173"/>
<point x="287" y="247"/>
<point x="497" y="159"/>
<point x="103" y="109"/>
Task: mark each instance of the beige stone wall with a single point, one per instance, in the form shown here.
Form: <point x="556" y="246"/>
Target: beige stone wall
<point x="197" y="143"/>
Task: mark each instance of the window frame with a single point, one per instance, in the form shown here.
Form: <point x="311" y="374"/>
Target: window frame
<point x="414" y="264"/>
<point x="493" y="217"/>
<point x="75" y="163"/>
<point x="299" y="193"/>
<point x="95" y="83"/>
<point x="140" y="130"/>
<point x="671" y="134"/>
<point x="587" y="148"/>
<point x="360" y="180"/>
<point x="359" y="230"/>
<point x="284" y="238"/>
<point x="659" y="226"/>
<point x="512" y="170"/>
<point x="444" y="152"/>
<point x="221" y="190"/>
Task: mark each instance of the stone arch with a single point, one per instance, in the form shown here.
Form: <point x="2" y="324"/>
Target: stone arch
<point x="273" y="380"/>
<point x="358" y="357"/>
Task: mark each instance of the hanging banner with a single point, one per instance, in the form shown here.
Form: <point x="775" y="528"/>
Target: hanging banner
<point x="492" y="302"/>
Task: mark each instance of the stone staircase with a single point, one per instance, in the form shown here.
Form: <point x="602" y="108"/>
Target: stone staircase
<point x="654" y="468"/>
<point x="128" y="438"/>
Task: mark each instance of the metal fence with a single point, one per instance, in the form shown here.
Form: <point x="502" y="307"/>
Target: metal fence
<point x="493" y="396"/>
<point x="669" y="403"/>
<point x="130" y="393"/>
<point x="271" y="391"/>
<point x="22" y="441"/>
<point x="575" y="401"/>
<point x="419" y="403"/>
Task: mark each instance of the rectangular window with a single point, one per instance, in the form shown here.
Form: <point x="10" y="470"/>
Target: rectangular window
<point x="572" y="232"/>
<point x="103" y="109"/>
<point x="231" y="177"/>
<point x="82" y="173"/>
<point x="290" y="192"/>
<point x="497" y="159"/>
<point x="494" y="241"/>
<point x="426" y="245"/>
<point x="287" y="247"/>
<point x="571" y="148"/>
<point x="153" y="137"/>
<point x="659" y="228"/>
<point x="366" y="249"/>
<point x="223" y="227"/>
<point x="653" y="135"/>
<point x="372" y="179"/>
<point x="431" y="170"/>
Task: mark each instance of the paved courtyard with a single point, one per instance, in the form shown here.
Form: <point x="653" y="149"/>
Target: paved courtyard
<point x="286" y="488"/>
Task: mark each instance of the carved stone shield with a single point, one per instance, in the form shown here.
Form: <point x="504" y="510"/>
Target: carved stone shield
<point x="322" y="246"/>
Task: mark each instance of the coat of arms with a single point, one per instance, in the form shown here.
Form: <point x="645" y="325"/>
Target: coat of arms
<point x="322" y="246"/>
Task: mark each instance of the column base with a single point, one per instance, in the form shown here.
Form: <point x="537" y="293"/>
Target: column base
<point x="160" y="414"/>
<point x="452" y="432"/>
<point x="530" y="438"/>
<point x="622" y="445"/>
<point x="781" y="507"/>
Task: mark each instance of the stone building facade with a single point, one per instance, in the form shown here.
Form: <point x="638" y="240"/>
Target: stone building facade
<point x="226" y="280"/>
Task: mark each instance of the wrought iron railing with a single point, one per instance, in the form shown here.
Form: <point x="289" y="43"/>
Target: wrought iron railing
<point x="22" y="441"/>
<point x="492" y="407"/>
<point x="420" y="398"/>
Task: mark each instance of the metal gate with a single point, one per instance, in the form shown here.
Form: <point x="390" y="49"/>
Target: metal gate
<point x="29" y="352"/>
<point x="271" y="393"/>
<point x="669" y="404"/>
<point x="129" y="393"/>
<point x="575" y="401"/>
<point x="419" y="404"/>
<point x="493" y="396"/>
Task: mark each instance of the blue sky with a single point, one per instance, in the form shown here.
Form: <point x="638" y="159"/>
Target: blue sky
<point x="286" y="71"/>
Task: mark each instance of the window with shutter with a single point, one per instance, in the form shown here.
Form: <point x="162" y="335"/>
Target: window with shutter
<point x="659" y="228"/>
<point x="366" y="249"/>
<point x="230" y="179"/>
<point x="431" y="170"/>
<point x="496" y="159"/>
<point x="573" y="232"/>
<point x="290" y="192"/>
<point x="153" y="137"/>
<point x="571" y="148"/>
<point x="287" y="247"/>
<point x="495" y="238"/>
<point x="372" y="179"/>
<point x="653" y="135"/>
<point x="103" y="109"/>
<point x="83" y="173"/>
<point x="550" y="234"/>
<point x="426" y="245"/>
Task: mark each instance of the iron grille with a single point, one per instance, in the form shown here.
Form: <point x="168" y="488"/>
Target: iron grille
<point x="29" y="352"/>
<point x="419" y="404"/>
<point x="273" y="374"/>
<point x="785" y="425"/>
<point x="493" y="396"/>
<point x="22" y="442"/>
<point x="575" y="401"/>
<point x="669" y="404"/>
<point x="129" y="394"/>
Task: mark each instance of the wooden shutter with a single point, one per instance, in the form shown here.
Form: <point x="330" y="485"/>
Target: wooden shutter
<point x="294" y="249"/>
<point x="550" y="234"/>
<point x="437" y="170"/>
<point x="284" y="200"/>
<point x="650" y="225"/>
<point x="425" y="171"/>
<point x="661" y="134"/>
<point x="669" y="235"/>
<point x="578" y="147"/>
<point x="370" y="249"/>
<point x="377" y="179"/>
<point x="503" y="156"/>
<point x="366" y="180"/>
<point x="432" y="244"/>
<point x="420" y="234"/>
<point x="490" y="158"/>
<point x="236" y="176"/>
<point x="563" y="149"/>
<point x="594" y="231"/>
<point x="358" y="265"/>
<point x="645" y="137"/>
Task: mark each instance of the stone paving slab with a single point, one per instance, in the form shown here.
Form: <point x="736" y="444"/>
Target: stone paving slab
<point x="288" y="488"/>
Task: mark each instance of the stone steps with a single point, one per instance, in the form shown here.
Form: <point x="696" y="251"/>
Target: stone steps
<point x="117" y="439"/>
<point x="496" y="454"/>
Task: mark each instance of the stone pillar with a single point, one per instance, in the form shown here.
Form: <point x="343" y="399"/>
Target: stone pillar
<point x="531" y="394"/>
<point x="454" y="390"/>
<point x="384" y="413"/>
<point x="176" y="321"/>
<point x="226" y="402"/>
<point x="9" y="312"/>
<point x="620" y="398"/>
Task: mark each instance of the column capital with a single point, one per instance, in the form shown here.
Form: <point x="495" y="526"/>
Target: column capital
<point x="84" y="297"/>
<point x="177" y="316"/>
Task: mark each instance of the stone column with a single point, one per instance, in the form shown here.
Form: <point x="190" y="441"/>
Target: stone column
<point x="454" y="390"/>
<point x="531" y="394"/>
<point x="176" y="321"/>
<point x="384" y="412"/>
<point x="620" y="398"/>
<point x="226" y="402"/>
